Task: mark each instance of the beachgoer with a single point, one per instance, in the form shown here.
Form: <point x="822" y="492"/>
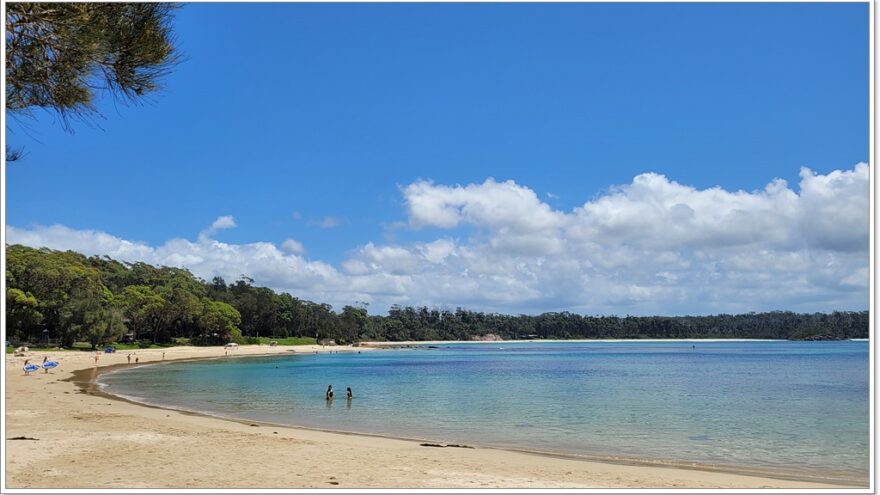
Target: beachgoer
<point x="26" y="372"/>
<point x="129" y="358"/>
<point x="45" y="358"/>
<point x="227" y="354"/>
<point x="348" y="393"/>
<point x="136" y="359"/>
<point x="329" y="392"/>
<point x="163" y="355"/>
<point x="97" y="355"/>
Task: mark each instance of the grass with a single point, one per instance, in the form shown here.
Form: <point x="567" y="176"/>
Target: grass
<point x="128" y="347"/>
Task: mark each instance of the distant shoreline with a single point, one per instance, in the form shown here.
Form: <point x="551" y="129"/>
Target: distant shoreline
<point x="434" y="342"/>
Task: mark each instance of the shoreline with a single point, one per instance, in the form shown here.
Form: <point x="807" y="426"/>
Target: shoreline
<point x="612" y="472"/>
<point x="380" y="344"/>
<point x="91" y="385"/>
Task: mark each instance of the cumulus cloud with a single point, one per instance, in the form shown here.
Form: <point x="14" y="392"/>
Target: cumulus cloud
<point x="653" y="246"/>
<point x="501" y="205"/>
<point x="293" y="246"/>
<point x="222" y="223"/>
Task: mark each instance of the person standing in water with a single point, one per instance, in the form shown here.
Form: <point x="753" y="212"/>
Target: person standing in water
<point x="348" y="393"/>
<point x="329" y="395"/>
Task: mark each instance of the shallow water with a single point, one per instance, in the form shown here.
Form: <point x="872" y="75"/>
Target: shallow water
<point x="796" y="407"/>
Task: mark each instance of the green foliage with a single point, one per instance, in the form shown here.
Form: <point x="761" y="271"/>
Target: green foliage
<point x="59" y="54"/>
<point x="61" y="282"/>
<point x="79" y="298"/>
<point x="352" y="324"/>
<point x="142" y="307"/>
<point x="22" y="314"/>
<point x="102" y="325"/>
<point x="220" y="321"/>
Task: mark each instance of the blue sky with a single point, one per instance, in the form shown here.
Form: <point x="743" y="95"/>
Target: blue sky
<point x="309" y="122"/>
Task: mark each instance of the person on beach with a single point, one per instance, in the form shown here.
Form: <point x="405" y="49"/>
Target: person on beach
<point x="136" y="359"/>
<point x="163" y="355"/>
<point x="348" y="393"/>
<point x="26" y="372"/>
<point x="329" y="394"/>
<point x="129" y="358"/>
<point x="97" y="355"/>
<point x="45" y="358"/>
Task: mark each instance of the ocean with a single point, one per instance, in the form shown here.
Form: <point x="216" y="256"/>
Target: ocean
<point x="791" y="408"/>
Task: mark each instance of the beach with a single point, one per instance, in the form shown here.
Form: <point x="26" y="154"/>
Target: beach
<point x="59" y="435"/>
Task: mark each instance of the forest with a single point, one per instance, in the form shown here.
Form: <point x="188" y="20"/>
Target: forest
<point x="64" y="297"/>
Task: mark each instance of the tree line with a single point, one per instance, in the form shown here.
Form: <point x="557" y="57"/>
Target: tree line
<point x="68" y="297"/>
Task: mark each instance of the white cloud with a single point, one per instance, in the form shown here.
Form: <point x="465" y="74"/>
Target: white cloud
<point x="222" y="223"/>
<point x="293" y="246"/>
<point x="653" y="246"/>
<point x="502" y="205"/>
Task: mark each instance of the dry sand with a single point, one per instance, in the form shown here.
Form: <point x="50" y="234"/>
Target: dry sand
<point x="84" y="440"/>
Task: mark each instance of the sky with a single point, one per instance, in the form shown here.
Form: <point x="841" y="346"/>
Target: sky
<point x="520" y="158"/>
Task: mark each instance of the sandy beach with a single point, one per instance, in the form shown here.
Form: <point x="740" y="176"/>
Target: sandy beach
<point x="61" y="436"/>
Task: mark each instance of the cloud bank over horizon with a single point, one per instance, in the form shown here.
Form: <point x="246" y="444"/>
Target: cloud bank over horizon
<point x="653" y="246"/>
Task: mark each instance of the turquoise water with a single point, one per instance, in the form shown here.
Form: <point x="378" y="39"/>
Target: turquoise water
<point x="791" y="407"/>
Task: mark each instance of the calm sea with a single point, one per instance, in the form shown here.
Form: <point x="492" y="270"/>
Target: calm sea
<point x="791" y="407"/>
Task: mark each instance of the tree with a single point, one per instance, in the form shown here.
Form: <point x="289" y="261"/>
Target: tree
<point x="221" y="319"/>
<point x="143" y="308"/>
<point x="181" y="314"/>
<point x="352" y="322"/>
<point x="102" y="325"/>
<point x="59" y="54"/>
<point x="22" y="316"/>
<point x="73" y="298"/>
<point x="60" y="282"/>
